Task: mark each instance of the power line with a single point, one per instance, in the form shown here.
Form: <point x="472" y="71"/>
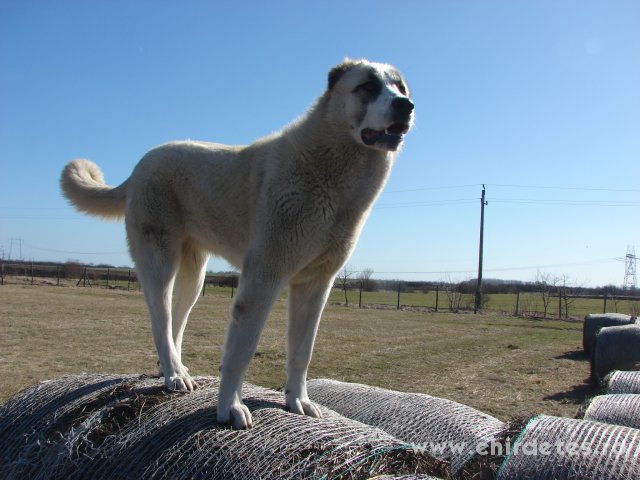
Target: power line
<point x="73" y="252"/>
<point x="586" y="203"/>
<point x="512" y="201"/>
<point x="587" y="189"/>
<point x="504" y="269"/>
<point x="506" y="185"/>
<point x="43" y="215"/>
<point x="444" y="187"/>
<point x="433" y="203"/>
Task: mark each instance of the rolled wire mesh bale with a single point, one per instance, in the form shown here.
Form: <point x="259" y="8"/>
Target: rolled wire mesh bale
<point x="44" y="427"/>
<point x="552" y="448"/>
<point x="33" y="418"/>
<point x="623" y="382"/>
<point x="99" y="427"/>
<point x="616" y="348"/>
<point x="403" y="477"/>
<point x="594" y="322"/>
<point x="619" y="409"/>
<point x="443" y="428"/>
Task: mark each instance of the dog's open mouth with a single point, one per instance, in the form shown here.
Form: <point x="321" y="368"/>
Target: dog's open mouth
<point x="390" y="137"/>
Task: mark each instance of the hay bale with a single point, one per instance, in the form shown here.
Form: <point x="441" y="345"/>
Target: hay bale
<point x="92" y="426"/>
<point x="444" y="429"/>
<point x="619" y="409"/>
<point x="594" y="322"/>
<point x="623" y="382"/>
<point x="566" y="448"/>
<point x="616" y="348"/>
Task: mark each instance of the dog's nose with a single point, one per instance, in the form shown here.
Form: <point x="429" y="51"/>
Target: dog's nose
<point x="402" y="105"/>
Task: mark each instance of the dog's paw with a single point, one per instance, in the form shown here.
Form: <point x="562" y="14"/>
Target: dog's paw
<point x="180" y="383"/>
<point x="161" y="373"/>
<point x="303" y="407"/>
<point x="237" y="416"/>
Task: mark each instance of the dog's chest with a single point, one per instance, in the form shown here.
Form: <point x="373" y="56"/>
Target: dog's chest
<point x="338" y="195"/>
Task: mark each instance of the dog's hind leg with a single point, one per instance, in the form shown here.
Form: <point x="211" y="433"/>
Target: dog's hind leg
<point x="156" y="260"/>
<point x="306" y="302"/>
<point x="188" y="285"/>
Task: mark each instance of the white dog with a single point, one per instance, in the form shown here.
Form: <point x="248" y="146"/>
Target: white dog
<point x="287" y="209"/>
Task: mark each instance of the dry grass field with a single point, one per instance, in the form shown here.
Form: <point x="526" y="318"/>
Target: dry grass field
<point x="502" y="365"/>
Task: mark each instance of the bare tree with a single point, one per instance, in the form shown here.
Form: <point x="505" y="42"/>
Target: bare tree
<point x="569" y="292"/>
<point x="366" y="282"/>
<point x="610" y="292"/>
<point x="545" y="287"/>
<point x="343" y="280"/>
<point x="453" y="293"/>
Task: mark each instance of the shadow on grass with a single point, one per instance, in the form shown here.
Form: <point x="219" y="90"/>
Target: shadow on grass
<point x="573" y="355"/>
<point x="577" y="394"/>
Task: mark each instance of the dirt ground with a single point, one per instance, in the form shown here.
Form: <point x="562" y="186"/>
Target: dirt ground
<point x="502" y="365"/>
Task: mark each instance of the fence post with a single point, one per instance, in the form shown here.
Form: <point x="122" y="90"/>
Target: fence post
<point x="2" y="273"/>
<point x="604" y="309"/>
<point x="84" y="279"/>
<point x="517" y="302"/>
<point x="129" y="280"/>
<point x="57" y="275"/>
<point x="108" y="271"/>
<point x="31" y="273"/>
<point x="232" y="291"/>
<point x="559" y="304"/>
<point x="398" y="306"/>
<point x="360" y="298"/>
<point x="437" y="294"/>
<point x="204" y="285"/>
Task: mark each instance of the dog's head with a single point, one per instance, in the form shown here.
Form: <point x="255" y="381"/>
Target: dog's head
<point x="373" y="99"/>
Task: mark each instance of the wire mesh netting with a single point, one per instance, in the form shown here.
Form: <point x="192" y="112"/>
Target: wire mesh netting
<point x="616" y="348"/>
<point x="620" y="381"/>
<point x="95" y="426"/>
<point x="553" y="448"/>
<point x="619" y="409"/>
<point x="443" y="428"/>
<point x="404" y="477"/>
<point x="101" y="426"/>
<point x="594" y="322"/>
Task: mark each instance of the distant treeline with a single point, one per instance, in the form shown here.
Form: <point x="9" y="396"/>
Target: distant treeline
<point x="489" y="286"/>
<point x="76" y="270"/>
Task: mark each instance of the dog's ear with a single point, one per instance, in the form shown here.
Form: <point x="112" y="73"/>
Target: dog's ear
<point x="336" y="72"/>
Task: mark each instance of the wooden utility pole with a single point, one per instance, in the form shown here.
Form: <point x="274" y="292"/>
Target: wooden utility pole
<point x="478" y="299"/>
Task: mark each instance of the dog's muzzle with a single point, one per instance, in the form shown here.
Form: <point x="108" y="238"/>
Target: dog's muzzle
<point x="392" y="136"/>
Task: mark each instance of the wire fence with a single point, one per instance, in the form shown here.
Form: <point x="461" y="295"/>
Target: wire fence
<point x="547" y="302"/>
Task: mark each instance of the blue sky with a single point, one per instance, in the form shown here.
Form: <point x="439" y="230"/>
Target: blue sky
<point x="538" y="100"/>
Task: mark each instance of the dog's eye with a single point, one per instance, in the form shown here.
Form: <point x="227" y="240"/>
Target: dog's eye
<point x="401" y="88"/>
<point x="371" y="87"/>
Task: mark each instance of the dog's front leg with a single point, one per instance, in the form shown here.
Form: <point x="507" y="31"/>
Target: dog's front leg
<point x="248" y="314"/>
<point x="306" y="302"/>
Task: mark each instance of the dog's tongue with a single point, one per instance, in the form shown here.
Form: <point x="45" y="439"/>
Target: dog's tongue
<point x="369" y="136"/>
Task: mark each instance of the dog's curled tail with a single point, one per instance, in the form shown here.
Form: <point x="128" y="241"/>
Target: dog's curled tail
<point x="83" y="184"/>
